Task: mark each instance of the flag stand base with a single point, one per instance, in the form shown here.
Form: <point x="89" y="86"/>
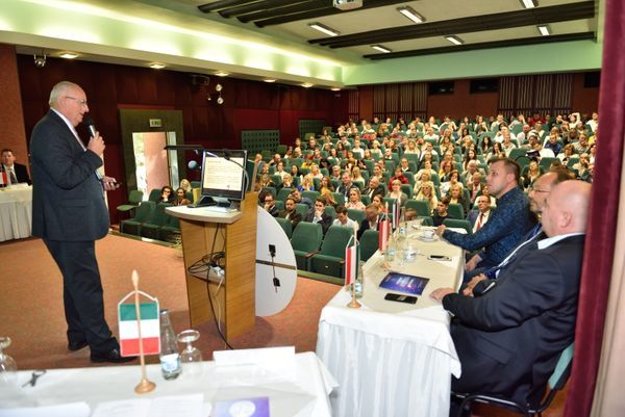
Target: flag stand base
<point x="145" y="386"/>
<point x="354" y="303"/>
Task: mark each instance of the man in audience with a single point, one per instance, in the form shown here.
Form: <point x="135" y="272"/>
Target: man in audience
<point x="440" y="214"/>
<point x="509" y="338"/>
<point x="335" y="174"/>
<point x="318" y="215"/>
<point x="15" y="172"/>
<point x="374" y="188"/>
<point x="506" y="227"/>
<point x="371" y="220"/>
<point x="475" y="187"/>
<point x="343" y="220"/>
<point x="290" y="213"/>
<point x="472" y="168"/>
<point x="479" y="217"/>
<point x="346" y="185"/>
<point x="270" y="205"/>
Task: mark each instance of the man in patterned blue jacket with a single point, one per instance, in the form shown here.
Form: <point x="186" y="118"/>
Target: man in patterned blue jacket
<point x="507" y="226"/>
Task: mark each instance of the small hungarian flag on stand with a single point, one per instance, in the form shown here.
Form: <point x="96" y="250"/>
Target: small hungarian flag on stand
<point x="384" y="229"/>
<point x="352" y="256"/>
<point x="4" y="179"/>
<point x="139" y="330"/>
<point x="129" y="331"/>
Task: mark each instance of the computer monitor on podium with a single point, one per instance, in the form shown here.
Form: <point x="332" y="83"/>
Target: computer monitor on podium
<point x="223" y="176"/>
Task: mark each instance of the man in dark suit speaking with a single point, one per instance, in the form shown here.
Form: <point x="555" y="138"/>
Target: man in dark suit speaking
<point x="69" y="214"/>
<point x="509" y="338"/>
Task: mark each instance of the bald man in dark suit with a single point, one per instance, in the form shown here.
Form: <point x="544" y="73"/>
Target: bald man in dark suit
<point x="69" y="214"/>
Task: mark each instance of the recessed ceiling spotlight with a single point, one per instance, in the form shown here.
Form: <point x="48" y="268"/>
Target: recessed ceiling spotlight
<point x="269" y="80"/>
<point x="69" y="55"/>
<point x="222" y="74"/>
<point x="381" y="49"/>
<point x="411" y="14"/>
<point x="335" y="89"/>
<point x="307" y="85"/>
<point x="544" y="30"/>
<point x="454" y="39"/>
<point x="529" y="4"/>
<point x="157" y="65"/>
<point x="324" y="29"/>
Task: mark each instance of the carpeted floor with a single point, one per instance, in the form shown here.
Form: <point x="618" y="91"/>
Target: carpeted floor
<point x="31" y="304"/>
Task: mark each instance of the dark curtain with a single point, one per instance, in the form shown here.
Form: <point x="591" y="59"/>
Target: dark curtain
<point x="599" y="252"/>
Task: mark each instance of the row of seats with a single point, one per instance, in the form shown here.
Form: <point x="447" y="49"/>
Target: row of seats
<point x="151" y="221"/>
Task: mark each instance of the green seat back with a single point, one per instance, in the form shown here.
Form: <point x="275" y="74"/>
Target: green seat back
<point x="455" y="211"/>
<point x="368" y="244"/>
<point x="459" y="224"/>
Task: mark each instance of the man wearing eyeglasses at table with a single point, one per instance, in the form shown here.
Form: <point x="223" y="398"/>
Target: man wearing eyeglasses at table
<point x="508" y="339"/>
<point x="69" y="214"/>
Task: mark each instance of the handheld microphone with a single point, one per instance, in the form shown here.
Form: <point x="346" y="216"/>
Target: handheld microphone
<point x="194" y="166"/>
<point x="88" y="121"/>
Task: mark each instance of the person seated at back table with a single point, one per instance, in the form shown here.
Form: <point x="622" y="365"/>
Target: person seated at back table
<point x="509" y="337"/>
<point x="507" y="225"/>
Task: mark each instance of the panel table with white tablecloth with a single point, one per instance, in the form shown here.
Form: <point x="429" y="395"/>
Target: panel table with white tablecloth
<point x="15" y="212"/>
<point x="391" y="358"/>
<point x="298" y="390"/>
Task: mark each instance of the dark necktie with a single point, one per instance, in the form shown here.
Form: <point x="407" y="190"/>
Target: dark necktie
<point x="12" y="176"/>
<point x="479" y="222"/>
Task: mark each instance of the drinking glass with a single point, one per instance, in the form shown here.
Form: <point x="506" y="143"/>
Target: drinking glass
<point x="8" y="367"/>
<point x="190" y="352"/>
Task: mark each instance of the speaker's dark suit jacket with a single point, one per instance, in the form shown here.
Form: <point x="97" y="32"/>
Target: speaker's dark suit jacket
<point x="68" y="200"/>
<point x="510" y="338"/>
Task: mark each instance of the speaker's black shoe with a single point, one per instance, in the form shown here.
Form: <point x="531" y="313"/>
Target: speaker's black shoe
<point x="74" y="346"/>
<point x="112" y="356"/>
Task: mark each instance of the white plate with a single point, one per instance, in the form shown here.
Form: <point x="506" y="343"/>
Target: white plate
<point x="427" y="239"/>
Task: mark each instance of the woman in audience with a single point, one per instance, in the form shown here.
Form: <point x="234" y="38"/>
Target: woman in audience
<point x="315" y="173"/>
<point x="307" y="184"/>
<point x="325" y="191"/>
<point x="294" y="171"/>
<point x="447" y="162"/>
<point x="454" y="178"/>
<point x="447" y="145"/>
<point x="456" y="196"/>
<point x="263" y="181"/>
<point x="167" y="195"/>
<point x="533" y="172"/>
<point x="496" y="152"/>
<point x="357" y="178"/>
<point x="181" y="198"/>
<point x="411" y="148"/>
<point x="470" y="155"/>
<point x="287" y="182"/>
<point x="427" y="194"/>
<point x="396" y="193"/>
<point x="566" y="153"/>
<point x="375" y="149"/>
<point x="354" y="200"/>
<point x="185" y="184"/>
<point x="400" y="176"/>
<point x="486" y="145"/>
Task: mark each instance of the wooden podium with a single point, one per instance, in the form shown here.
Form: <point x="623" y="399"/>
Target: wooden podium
<point x="205" y="232"/>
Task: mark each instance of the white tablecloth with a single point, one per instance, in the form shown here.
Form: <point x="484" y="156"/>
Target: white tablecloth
<point x="304" y="394"/>
<point x="390" y="358"/>
<point x="15" y="212"/>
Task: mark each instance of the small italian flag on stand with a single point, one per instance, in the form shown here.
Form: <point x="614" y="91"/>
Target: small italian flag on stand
<point x="352" y="258"/>
<point x="139" y="330"/>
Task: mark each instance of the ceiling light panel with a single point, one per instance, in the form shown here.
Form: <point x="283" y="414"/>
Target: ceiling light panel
<point x="529" y="4"/>
<point x="454" y="39"/>
<point x="324" y="29"/>
<point x="410" y="13"/>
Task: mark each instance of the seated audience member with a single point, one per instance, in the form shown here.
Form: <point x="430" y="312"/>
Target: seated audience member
<point x="307" y="184"/>
<point x="370" y="222"/>
<point x="427" y="169"/>
<point x="509" y="337"/>
<point x="399" y="175"/>
<point x="263" y="181"/>
<point x="167" y="195"/>
<point x="475" y="186"/>
<point x="357" y="178"/>
<point x="318" y="215"/>
<point x="454" y="178"/>
<point x="533" y="172"/>
<point x="346" y="185"/>
<point x="290" y="213"/>
<point x="374" y="188"/>
<point x="16" y="173"/>
<point x="185" y="184"/>
<point x="506" y="227"/>
<point x="485" y="191"/>
<point x="270" y="205"/>
<point x="378" y="201"/>
<point x="354" y="200"/>
<point x="181" y="198"/>
<point x="479" y="217"/>
<point x="456" y="196"/>
<point x="396" y="193"/>
<point x="343" y="220"/>
<point x="440" y="214"/>
<point x="287" y="182"/>
<point x="427" y="194"/>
